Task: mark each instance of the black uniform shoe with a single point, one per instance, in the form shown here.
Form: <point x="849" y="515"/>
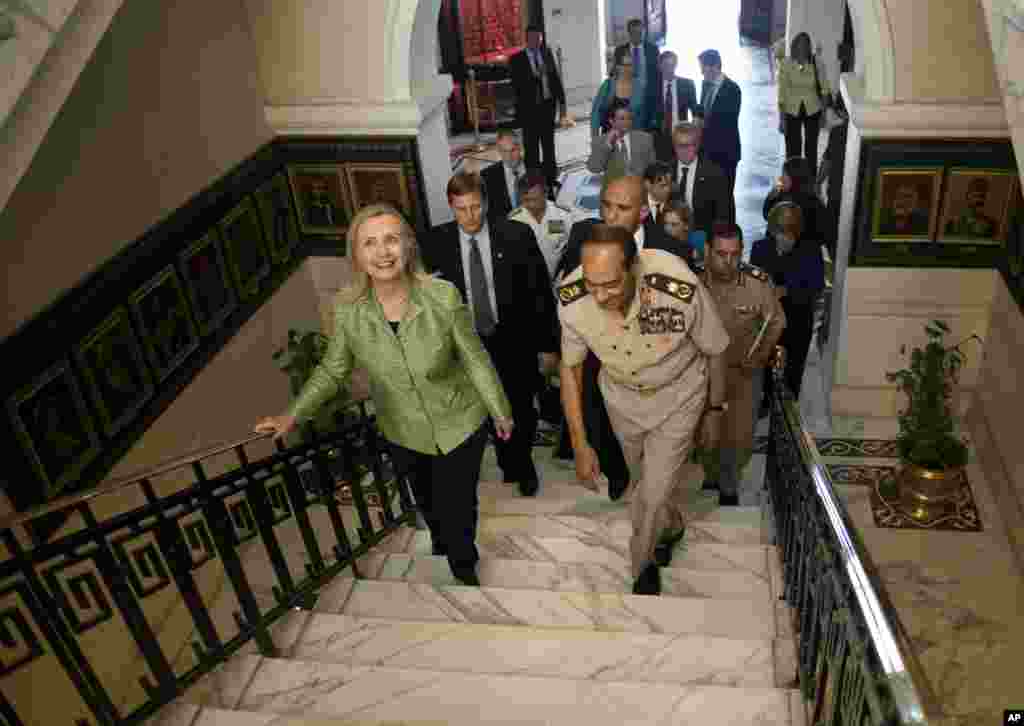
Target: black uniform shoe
<point x="649" y="582"/>
<point x="728" y="500"/>
<point x="616" y="488"/>
<point x="663" y="550"/>
<point x="467" y="577"/>
<point x="529" y="487"/>
<point x="709" y="486"/>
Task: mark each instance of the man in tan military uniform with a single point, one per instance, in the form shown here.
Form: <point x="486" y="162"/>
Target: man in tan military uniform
<point x="550" y="223"/>
<point x="746" y="301"/>
<point x="650" y="321"/>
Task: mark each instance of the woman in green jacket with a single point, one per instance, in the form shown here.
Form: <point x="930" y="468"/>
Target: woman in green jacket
<point x="431" y="380"/>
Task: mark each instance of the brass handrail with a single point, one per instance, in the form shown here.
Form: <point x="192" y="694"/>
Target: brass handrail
<point x="116" y="484"/>
<point x="912" y="694"/>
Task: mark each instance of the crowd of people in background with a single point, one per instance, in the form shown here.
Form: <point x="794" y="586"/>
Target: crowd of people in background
<point x="642" y="336"/>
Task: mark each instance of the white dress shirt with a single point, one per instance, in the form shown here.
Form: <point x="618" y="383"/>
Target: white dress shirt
<point x="691" y="176"/>
<point x="639" y="237"/>
<point x="624" y="141"/>
<point x="673" y="106"/>
<point x="655" y="208"/>
<point x="483" y="241"/>
<point x="510" y="181"/>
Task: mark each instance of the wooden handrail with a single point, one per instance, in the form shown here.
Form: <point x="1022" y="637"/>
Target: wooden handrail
<point x="112" y="485"/>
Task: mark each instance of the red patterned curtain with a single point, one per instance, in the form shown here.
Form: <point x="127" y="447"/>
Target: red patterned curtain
<point x="491" y="28"/>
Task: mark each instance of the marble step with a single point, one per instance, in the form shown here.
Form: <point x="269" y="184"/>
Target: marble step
<point x="375" y="694"/>
<point x="189" y="714"/>
<point x="758" y="619"/>
<point x="732" y="525"/>
<point x="597" y="550"/>
<point x="571" y="576"/>
<point x="686" y="659"/>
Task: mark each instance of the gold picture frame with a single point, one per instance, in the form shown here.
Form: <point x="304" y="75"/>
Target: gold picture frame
<point x="321" y="198"/>
<point x="976" y="206"/>
<point x="906" y="205"/>
<point x="379" y="183"/>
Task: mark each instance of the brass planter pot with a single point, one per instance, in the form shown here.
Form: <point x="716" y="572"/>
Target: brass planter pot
<point x="926" y="493"/>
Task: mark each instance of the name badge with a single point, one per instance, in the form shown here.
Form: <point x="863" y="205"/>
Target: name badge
<point x="556" y="226"/>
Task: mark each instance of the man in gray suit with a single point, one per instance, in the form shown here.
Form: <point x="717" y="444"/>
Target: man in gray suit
<point x="622" y="151"/>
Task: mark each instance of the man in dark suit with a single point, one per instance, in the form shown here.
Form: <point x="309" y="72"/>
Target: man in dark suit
<point x="699" y="182"/>
<point x="720" y="100"/>
<point x="646" y="71"/>
<point x="677" y="103"/>
<point x="500" y="179"/>
<point x="622" y="205"/>
<point x="500" y="270"/>
<point x="539" y="94"/>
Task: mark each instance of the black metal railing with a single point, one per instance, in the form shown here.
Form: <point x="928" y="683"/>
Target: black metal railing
<point x="855" y="661"/>
<point x="157" y="578"/>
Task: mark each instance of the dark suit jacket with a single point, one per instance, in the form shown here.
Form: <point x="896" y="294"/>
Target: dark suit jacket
<point x="655" y="238"/>
<point x="710" y="195"/>
<point x="686" y="100"/>
<point x="721" y="139"/>
<point x="526" y="307"/>
<point x="527" y="87"/>
<point x="499" y="204"/>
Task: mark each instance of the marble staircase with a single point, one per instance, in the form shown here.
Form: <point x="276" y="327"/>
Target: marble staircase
<point x="553" y="635"/>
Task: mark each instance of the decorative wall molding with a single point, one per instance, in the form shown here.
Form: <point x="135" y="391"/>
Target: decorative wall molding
<point x="886" y="119"/>
<point x="360" y="117"/>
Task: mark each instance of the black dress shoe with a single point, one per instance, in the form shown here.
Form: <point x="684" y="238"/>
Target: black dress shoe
<point x="616" y="488"/>
<point x="529" y="487"/>
<point x="663" y="550"/>
<point x="709" y="486"/>
<point x="728" y="500"/>
<point x="467" y="577"/>
<point x="649" y="582"/>
<point x="438" y="550"/>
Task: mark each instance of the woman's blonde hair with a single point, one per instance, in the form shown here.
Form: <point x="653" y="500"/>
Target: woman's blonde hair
<point x="359" y="286"/>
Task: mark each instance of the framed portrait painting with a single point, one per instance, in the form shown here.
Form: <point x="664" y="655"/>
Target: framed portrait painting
<point x="115" y="372"/>
<point x="244" y="249"/>
<point x="379" y="183"/>
<point x="54" y="427"/>
<point x="165" y="323"/>
<point x="976" y="206"/>
<point x="906" y="204"/>
<point x="321" y="198"/>
<point x="280" y="226"/>
<point x="205" y="272"/>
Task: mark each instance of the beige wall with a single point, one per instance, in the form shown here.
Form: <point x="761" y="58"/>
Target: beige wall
<point x="940" y="51"/>
<point x="1000" y="401"/>
<point x="169" y="102"/>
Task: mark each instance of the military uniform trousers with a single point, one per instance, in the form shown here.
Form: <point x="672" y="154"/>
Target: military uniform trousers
<point x="656" y="441"/>
<point x="736" y="438"/>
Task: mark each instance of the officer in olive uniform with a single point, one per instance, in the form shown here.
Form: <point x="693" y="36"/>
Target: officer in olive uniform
<point x="649" y="320"/>
<point x="746" y="301"/>
<point x="550" y="223"/>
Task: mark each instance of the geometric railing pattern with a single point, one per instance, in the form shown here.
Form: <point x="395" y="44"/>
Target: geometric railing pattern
<point x="124" y="608"/>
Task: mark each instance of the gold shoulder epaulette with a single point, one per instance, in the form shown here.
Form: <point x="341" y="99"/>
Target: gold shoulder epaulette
<point x="571" y="292"/>
<point x="676" y="288"/>
<point x="755" y="272"/>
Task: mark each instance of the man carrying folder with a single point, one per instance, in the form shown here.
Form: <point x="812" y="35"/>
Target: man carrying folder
<point x="752" y="314"/>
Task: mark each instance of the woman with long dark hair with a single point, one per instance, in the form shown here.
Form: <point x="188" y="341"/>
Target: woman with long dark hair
<point x="797" y="185"/>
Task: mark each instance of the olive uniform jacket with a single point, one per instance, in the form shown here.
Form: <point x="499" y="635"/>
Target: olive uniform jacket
<point x="432" y="383"/>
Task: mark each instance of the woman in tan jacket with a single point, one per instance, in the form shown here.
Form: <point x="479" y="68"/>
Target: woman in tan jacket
<point x="803" y="95"/>
<point x="432" y="382"/>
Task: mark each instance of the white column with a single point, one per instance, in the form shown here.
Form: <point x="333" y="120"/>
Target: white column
<point x="577" y="28"/>
<point x="823" y="21"/>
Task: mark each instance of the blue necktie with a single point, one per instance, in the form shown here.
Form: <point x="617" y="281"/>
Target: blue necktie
<point x="636" y="61"/>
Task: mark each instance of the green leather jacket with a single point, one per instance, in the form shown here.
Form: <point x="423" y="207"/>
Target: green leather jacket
<point x="432" y="384"/>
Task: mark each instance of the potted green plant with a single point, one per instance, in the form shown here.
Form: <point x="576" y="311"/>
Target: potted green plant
<point x="932" y="453"/>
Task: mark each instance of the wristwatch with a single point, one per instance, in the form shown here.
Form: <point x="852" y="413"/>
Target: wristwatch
<point x="723" y="406"/>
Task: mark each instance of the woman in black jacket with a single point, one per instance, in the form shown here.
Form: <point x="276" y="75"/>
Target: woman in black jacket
<point x="797" y="185"/>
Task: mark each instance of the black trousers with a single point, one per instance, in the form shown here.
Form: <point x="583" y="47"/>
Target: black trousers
<point x="796" y="339"/>
<point x="539" y="134"/>
<point x="445" y="489"/>
<point x="517" y="369"/>
<point x="600" y="433"/>
<point x="802" y="136"/>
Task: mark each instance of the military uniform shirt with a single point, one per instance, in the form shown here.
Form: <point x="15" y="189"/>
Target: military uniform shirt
<point x="669" y="330"/>
<point x="742" y="305"/>
<point x="552" y="232"/>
